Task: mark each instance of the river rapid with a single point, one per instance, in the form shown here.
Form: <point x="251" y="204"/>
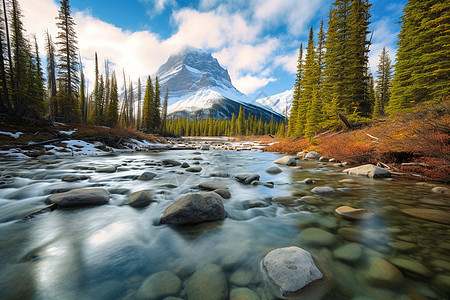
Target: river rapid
<point x="110" y="251"/>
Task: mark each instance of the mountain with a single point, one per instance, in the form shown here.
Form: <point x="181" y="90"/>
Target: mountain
<point x="280" y="103"/>
<point x="199" y="87"/>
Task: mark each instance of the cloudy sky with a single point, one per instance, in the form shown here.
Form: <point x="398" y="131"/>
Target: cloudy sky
<point x="256" y="40"/>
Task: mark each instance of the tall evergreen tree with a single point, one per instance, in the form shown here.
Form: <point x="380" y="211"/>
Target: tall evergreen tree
<point x="113" y="107"/>
<point x="164" y="112"/>
<point x="147" y="111"/>
<point x="139" y="108"/>
<point x="82" y="95"/>
<point x="68" y="58"/>
<point x="51" y="76"/>
<point x="422" y="69"/>
<point x="5" y="104"/>
<point x="383" y="83"/>
<point x="241" y="121"/>
<point x="320" y="52"/>
<point x="293" y="115"/>
<point x="131" y="106"/>
<point x="157" y="106"/>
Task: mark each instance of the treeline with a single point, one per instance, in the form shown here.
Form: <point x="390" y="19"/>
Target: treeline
<point x="334" y="76"/>
<point x="250" y="125"/>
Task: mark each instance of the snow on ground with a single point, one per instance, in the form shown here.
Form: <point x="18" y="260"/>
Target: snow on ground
<point x="14" y="135"/>
<point x="69" y="132"/>
<point x="13" y="153"/>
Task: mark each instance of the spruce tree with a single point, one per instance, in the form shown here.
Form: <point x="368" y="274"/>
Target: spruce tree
<point x="241" y="121"/>
<point x="293" y="115"/>
<point x="422" y="69"/>
<point x="82" y="94"/>
<point x="51" y="77"/>
<point x="131" y="106"/>
<point x="8" y="69"/>
<point x="233" y="126"/>
<point x="164" y="112"/>
<point x="68" y="62"/>
<point x="5" y="104"/>
<point x="147" y="111"/>
<point x="157" y="107"/>
<point x="383" y="83"/>
<point x="113" y="107"/>
<point x="139" y="108"/>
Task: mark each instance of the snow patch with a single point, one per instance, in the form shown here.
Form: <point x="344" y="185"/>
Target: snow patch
<point x="69" y="132"/>
<point x="280" y="103"/>
<point x="14" y="135"/>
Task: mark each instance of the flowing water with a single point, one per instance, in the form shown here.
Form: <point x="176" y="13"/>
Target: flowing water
<point x="108" y="251"/>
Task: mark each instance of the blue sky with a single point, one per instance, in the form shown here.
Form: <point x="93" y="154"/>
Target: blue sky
<point x="256" y="40"/>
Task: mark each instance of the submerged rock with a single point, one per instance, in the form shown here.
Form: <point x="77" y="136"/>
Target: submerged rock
<point x="185" y="165"/>
<point x="212" y="184"/>
<point x="139" y="199"/>
<point x="285" y="200"/>
<point x="243" y="294"/>
<point x="246" y="178"/>
<point x="147" y="176"/>
<point x="382" y="273"/>
<point x="354" y="213"/>
<point x="224" y="193"/>
<point x="317" y="237"/>
<point x="435" y="215"/>
<point x="292" y="273"/>
<point x="368" y="170"/>
<point x="170" y="163"/>
<point x="110" y="169"/>
<point x="159" y="285"/>
<point x="73" y="178"/>
<point x="322" y="190"/>
<point x="287" y="160"/>
<point x="220" y="174"/>
<point x="194" y="208"/>
<point x="194" y="169"/>
<point x="307" y="181"/>
<point x="208" y="282"/>
<point x="274" y="170"/>
<point x="79" y="197"/>
<point x="411" y="266"/>
<point x="349" y="253"/>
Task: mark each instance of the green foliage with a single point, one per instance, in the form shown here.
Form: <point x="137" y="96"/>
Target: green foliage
<point x="383" y="84"/>
<point x="157" y="107"/>
<point x="241" y="130"/>
<point x="293" y="115"/>
<point x="148" y="108"/>
<point x="422" y="69"/>
<point x="113" y="107"/>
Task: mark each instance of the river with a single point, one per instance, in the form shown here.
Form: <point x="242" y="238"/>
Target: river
<point x="108" y="251"/>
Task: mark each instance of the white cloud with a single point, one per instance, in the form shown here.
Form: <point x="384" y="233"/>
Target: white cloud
<point x="287" y="62"/>
<point x="249" y="84"/>
<point x="383" y="36"/>
<point x="158" y="6"/>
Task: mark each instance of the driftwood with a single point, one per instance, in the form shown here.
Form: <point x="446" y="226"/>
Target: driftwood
<point x="344" y="120"/>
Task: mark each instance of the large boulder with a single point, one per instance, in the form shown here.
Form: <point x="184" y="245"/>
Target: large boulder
<point x="368" y="170"/>
<point x="79" y="197"/>
<point x="287" y="160"/>
<point x="312" y="155"/>
<point x="292" y="274"/>
<point x="139" y="199"/>
<point x="194" y="208"/>
<point x="274" y="170"/>
<point x="208" y="282"/>
<point x="246" y="178"/>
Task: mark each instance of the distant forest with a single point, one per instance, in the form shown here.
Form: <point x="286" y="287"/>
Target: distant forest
<point x="332" y="77"/>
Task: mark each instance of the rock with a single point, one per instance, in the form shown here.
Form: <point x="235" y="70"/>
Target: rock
<point x="411" y="266"/>
<point x="435" y="215"/>
<point x="274" y="170"/>
<point x="220" y="174"/>
<point x="354" y="213"/>
<point x="194" y="208"/>
<point x="344" y="190"/>
<point x="243" y="294"/>
<point x="287" y="160"/>
<point x="207" y="283"/>
<point x="241" y="277"/>
<point x="246" y="178"/>
<point x="313" y="200"/>
<point x="159" y="285"/>
<point x="110" y="169"/>
<point x="285" y="200"/>
<point x="147" y="176"/>
<point x="368" y="170"/>
<point x="442" y="282"/>
<point x="441" y="190"/>
<point x="307" y="181"/>
<point x="185" y="165"/>
<point x="349" y="180"/>
<point x="266" y="184"/>
<point x="170" y="163"/>
<point x="212" y="184"/>
<point x="349" y="253"/>
<point x="205" y="147"/>
<point x="224" y="193"/>
<point x="292" y="273"/>
<point x="317" y="237"/>
<point x="73" y="178"/>
<point x="382" y="273"/>
<point x="79" y="197"/>
<point x="194" y="169"/>
<point x="255" y="204"/>
<point x="403" y="246"/>
<point x="139" y="199"/>
<point x="312" y="155"/>
<point x="323" y="159"/>
<point x="322" y="190"/>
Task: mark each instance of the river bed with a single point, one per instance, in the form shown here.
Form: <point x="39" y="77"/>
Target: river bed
<point x="110" y="251"/>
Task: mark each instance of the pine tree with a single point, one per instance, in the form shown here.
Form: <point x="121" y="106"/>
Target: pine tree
<point x="51" y="77"/>
<point x="157" y="106"/>
<point x="310" y="85"/>
<point x="37" y="93"/>
<point x="241" y="121"/>
<point x="164" y="112"/>
<point x="68" y="58"/>
<point x="82" y="93"/>
<point x="147" y="111"/>
<point x="383" y="84"/>
<point x="130" y="106"/>
<point x="313" y="117"/>
<point x="320" y="53"/>
<point x="233" y="127"/>
<point x="8" y="69"/>
<point x="5" y="104"/>
<point x="113" y="107"/>
<point x="139" y="108"/>
<point x="293" y="115"/>
<point x="422" y="69"/>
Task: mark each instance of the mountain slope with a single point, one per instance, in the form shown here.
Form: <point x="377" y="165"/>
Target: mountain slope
<point x="199" y="87"/>
<point x="280" y="103"/>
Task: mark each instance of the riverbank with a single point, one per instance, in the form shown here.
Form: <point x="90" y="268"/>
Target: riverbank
<point x="415" y="144"/>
